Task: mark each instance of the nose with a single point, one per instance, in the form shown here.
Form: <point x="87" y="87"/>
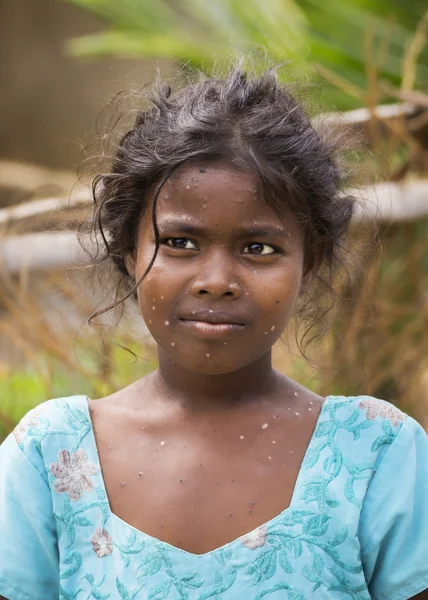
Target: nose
<point x="216" y="278"/>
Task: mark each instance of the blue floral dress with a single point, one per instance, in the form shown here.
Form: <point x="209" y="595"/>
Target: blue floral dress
<point x="357" y="525"/>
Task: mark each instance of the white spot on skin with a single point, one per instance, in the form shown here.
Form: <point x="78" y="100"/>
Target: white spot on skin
<point x="270" y="457"/>
<point x="162" y="443"/>
<point x="153" y="307"/>
<point x="273" y="441"/>
<point x="172" y="343"/>
<point x="272" y="328"/>
<point x="297" y="414"/>
<point x="295" y="393"/>
<point x="265" y="425"/>
<point x="208" y="355"/>
<point x="225" y="343"/>
<point x="311" y="403"/>
<point x="241" y="437"/>
<point x="309" y="409"/>
<point x="167" y="323"/>
<point x="161" y="297"/>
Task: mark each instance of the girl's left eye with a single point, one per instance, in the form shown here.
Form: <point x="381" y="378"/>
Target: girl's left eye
<point x="181" y="243"/>
<point x="259" y="249"/>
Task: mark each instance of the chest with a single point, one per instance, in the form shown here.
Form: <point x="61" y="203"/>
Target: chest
<point x="201" y="486"/>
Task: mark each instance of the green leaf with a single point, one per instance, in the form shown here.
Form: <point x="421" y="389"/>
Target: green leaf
<point x="295" y="517"/>
<point x="297" y="548"/>
<point x="284" y="562"/>
<point x="317" y="563"/>
<point x="264" y="567"/>
<point x="340" y="537"/>
<point x="310" y="574"/>
<point x="276" y="588"/>
<point x="351" y="419"/>
<point x="331" y="503"/>
<point x="220" y="585"/>
<point x="359" y="428"/>
<point x="83" y="521"/>
<point x="383" y="440"/>
<point x="317" y="525"/>
<point x="350" y="494"/>
<point x="189" y="581"/>
<point x="387" y="427"/>
<point x="75" y="560"/>
<point x="333" y="463"/>
<point x="324" y="428"/>
<point x="313" y="454"/>
<point x="315" y="490"/>
<point x="161" y="591"/>
<point x="123" y="592"/>
<point x="151" y="565"/>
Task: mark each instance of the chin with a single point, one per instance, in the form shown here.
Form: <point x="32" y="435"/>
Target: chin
<point x="211" y="366"/>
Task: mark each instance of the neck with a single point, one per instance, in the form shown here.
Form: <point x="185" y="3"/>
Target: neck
<point x="200" y="391"/>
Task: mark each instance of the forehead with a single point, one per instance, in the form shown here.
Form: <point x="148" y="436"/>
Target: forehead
<point x="218" y="194"/>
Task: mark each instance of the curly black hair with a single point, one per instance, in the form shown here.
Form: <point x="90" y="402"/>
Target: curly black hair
<point x="255" y="123"/>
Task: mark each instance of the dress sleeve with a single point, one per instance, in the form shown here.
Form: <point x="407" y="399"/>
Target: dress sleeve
<point x="29" y="564"/>
<point x="394" y="519"/>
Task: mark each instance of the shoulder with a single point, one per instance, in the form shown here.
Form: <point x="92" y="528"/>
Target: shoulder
<point x="46" y="426"/>
<point x="363" y="424"/>
<point x="370" y="409"/>
<point x="352" y="438"/>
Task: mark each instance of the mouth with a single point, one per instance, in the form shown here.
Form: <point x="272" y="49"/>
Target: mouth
<point x="210" y="324"/>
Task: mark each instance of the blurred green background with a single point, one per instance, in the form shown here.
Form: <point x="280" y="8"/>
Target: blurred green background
<point x="61" y="62"/>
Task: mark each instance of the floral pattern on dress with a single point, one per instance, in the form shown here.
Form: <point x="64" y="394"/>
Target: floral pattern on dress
<point x="375" y="407"/>
<point x="73" y="473"/>
<point x="30" y="420"/>
<point x="255" y="539"/>
<point x="102" y="543"/>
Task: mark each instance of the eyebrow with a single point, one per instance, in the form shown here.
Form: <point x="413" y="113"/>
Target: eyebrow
<point x="185" y="227"/>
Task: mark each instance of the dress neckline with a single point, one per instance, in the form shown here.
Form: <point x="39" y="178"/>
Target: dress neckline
<point x="229" y="545"/>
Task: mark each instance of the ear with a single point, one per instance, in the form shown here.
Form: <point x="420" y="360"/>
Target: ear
<point x="130" y="263"/>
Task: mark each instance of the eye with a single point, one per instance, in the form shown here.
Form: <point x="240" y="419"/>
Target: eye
<point x="259" y="249"/>
<point x="180" y="243"/>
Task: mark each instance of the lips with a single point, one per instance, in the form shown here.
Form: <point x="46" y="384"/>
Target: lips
<point x="211" y="325"/>
<point x="214" y="317"/>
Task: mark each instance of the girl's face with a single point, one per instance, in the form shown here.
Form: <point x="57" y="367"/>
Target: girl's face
<point x="228" y="272"/>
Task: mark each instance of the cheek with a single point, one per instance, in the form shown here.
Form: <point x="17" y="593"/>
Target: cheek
<point x="276" y="299"/>
<point x="157" y="296"/>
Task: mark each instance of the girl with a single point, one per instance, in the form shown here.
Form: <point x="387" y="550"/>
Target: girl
<point x="216" y="476"/>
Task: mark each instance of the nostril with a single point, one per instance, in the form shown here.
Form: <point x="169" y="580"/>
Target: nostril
<point x="202" y="292"/>
<point x="228" y="294"/>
